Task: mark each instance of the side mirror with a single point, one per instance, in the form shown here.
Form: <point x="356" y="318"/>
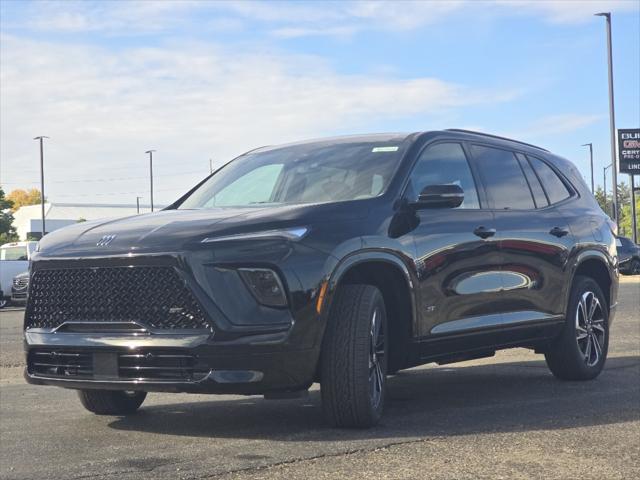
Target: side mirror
<point x="440" y="196"/>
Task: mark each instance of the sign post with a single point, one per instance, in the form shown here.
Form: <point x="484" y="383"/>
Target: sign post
<point x="629" y="161"/>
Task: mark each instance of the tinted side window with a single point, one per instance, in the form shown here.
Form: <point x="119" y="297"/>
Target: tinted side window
<point x="555" y="188"/>
<point x="538" y="193"/>
<point x="505" y="182"/>
<point x="440" y="164"/>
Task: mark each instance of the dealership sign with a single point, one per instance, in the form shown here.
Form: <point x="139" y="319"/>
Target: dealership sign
<point x="629" y="150"/>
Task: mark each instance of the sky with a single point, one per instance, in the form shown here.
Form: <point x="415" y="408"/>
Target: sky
<point x="201" y="80"/>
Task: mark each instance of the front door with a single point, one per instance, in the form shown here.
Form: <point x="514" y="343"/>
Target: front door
<point x="457" y="255"/>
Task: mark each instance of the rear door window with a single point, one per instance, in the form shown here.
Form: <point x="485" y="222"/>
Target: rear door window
<point x="506" y="185"/>
<point x="556" y="190"/>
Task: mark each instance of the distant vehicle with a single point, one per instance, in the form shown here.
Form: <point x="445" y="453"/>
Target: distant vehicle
<point x="14" y="259"/>
<point x="336" y="261"/>
<point x="628" y="256"/>
<point x="19" y="288"/>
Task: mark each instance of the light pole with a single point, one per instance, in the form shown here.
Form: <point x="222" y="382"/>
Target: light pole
<point x="138" y="204"/>
<point x="604" y="174"/>
<point x="210" y="166"/>
<point x="41" y="138"/>
<point x="590" y="145"/>
<point x="150" y="152"/>
<point x="612" y="119"/>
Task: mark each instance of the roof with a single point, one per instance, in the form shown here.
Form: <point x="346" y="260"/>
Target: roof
<point x="75" y="211"/>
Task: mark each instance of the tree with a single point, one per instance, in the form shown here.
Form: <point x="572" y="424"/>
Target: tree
<point x="21" y="198"/>
<point x="7" y="230"/>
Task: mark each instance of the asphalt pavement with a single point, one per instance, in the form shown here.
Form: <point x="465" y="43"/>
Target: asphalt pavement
<point x="503" y="417"/>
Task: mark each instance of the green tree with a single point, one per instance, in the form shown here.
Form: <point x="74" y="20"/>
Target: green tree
<point x="7" y="230"/>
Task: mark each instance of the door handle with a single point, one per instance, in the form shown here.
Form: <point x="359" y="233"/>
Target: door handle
<point x="559" y="232"/>
<point x="484" y="232"/>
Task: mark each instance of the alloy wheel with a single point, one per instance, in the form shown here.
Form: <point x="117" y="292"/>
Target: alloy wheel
<point x="590" y="328"/>
<point x="376" y="359"/>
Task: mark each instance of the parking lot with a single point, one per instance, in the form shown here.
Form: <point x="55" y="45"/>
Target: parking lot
<point x="504" y="417"/>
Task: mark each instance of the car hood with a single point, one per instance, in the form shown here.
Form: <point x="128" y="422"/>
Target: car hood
<point x="173" y="230"/>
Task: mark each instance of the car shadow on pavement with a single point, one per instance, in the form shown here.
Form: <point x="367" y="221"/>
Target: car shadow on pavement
<point x="501" y="397"/>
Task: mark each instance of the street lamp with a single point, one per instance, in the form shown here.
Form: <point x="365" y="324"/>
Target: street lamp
<point x="150" y="152"/>
<point x="41" y="138"/>
<point x="612" y="119"/>
<point x="604" y="174"/>
<point x="138" y="204"/>
<point x="590" y="145"/>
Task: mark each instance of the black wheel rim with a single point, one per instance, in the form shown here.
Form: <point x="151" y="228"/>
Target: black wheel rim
<point x="376" y="359"/>
<point x="590" y="328"/>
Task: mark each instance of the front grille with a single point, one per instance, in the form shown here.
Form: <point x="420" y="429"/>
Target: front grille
<point x="61" y="363"/>
<point x="20" y="282"/>
<point x="153" y="296"/>
<point x="121" y="365"/>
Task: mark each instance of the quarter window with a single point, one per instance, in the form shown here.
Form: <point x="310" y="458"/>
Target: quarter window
<point x="504" y="179"/>
<point x="555" y="188"/>
<point x="536" y="189"/>
<point x="444" y="164"/>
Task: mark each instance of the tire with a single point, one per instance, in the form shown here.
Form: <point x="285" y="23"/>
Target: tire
<point x="580" y="352"/>
<point x="4" y="302"/>
<point x="354" y="358"/>
<point x="111" y="402"/>
<point x="634" y="269"/>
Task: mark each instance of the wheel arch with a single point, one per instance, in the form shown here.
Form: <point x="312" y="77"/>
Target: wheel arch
<point x="595" y="265"/>
<point x="391" y="275"/>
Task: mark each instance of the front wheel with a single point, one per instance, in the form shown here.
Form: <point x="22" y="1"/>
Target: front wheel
<point x="3" y="302"/>
<point x="354" y="358"/>
<point x="580" y="352"/>
<point x="111" y="402"/>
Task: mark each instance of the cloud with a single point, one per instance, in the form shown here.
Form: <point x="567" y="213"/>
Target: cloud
<point x="553" y="125"/>
<point x="103" y="109"/>
<point x="297" y="19"/>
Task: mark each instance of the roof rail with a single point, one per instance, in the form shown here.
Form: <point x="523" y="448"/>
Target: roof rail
<point x="461" y="130"/>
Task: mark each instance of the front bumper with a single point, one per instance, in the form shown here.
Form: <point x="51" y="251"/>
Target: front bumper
<point x="245" y="349"/>
<point x="198" y="365"/>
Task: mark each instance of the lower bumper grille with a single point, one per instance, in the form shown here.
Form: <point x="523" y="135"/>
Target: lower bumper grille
<point x="125" y="365"/>
<point x="61" y="363"/>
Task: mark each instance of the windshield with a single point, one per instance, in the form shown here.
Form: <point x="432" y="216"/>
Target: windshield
<point x="13" y="253"/>
<point x="308" y="173"/>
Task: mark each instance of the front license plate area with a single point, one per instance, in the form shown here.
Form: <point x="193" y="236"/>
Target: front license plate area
<point x="105" y="365"/>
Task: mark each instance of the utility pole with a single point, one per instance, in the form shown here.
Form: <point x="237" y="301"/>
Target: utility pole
<point x="41" y="138"/>
<point x="590" y="145"/>
<point x="634" y="224"/>
<point x="604" y="173"/>
<point x="150" y="152"/>
<point x="138" y="204"/>
<point x="612" y="119"/>
<point x="210" y="166"/>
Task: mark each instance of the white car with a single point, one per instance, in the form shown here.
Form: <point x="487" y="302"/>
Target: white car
<point x="14" y="259"/>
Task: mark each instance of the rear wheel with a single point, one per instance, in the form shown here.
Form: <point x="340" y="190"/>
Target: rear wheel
<point x="580" y="352"/>
<point x="635" y="267"/>
<point x="354" y="358"/>
<point x="111" y="402"/>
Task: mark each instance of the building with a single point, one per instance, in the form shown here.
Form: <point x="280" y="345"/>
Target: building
<point x="28" y="219"/>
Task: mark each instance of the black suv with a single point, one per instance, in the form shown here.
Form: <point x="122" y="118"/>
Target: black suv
<point x="337" y="261"/>
<point x="628" y="256"/>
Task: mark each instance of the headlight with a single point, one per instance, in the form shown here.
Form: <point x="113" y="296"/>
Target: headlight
<point x="265" y="285"/>
<point x="293" y="234"/>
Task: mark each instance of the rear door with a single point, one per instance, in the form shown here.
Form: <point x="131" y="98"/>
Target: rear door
<point x="533" y="237"/>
